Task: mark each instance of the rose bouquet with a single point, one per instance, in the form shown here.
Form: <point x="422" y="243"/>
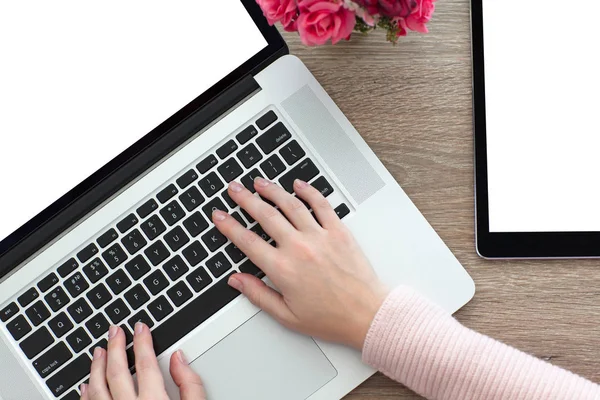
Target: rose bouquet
<point x="318" y="21"/>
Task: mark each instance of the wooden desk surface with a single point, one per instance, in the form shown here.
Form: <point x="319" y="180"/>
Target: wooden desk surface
<point x="412" y="104"/>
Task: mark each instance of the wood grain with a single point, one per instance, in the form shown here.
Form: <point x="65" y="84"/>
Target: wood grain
<point x="412" y="104"/>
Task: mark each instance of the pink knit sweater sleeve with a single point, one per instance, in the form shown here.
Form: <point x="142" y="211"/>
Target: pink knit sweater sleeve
<point x="417" y="343"/>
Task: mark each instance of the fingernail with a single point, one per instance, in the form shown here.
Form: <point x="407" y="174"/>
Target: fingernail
<point x="112" y="331"/>
<point x="139" y="328"/>
<point x="83" y="388"/>
<point x="236" y="283"/>
<point x="182" y="358"/>
<point x="235" y="187"/>
<point x="300" y="184"/>
<point x="97" y="353"/>
<point x="258" y="181"/>
<point x="219" y="215"/>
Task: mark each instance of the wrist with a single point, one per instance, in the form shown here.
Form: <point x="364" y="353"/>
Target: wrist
<point x="364" y="319"/>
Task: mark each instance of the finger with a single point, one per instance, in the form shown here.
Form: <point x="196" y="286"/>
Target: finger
<point x="267" y="216"/>
<point x="117" y="370"/>
<point x="323" y="210"/>
<point x="150" y="380"/>
<point x="188" y="381"/>
<point x="295" y="211"/>
<point x="98" y="388"/>
<point x="83" y="389"/>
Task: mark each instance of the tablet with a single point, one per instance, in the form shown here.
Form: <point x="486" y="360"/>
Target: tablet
<point x="537" y="132"/>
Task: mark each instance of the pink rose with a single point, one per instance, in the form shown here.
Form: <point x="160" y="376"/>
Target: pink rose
<point x="388" y="8"/>
<point x="321" y="20"/>
<point x="421" y="15"/>
<point x="285" y="11"/>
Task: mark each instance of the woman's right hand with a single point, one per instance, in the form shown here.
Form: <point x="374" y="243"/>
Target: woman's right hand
<point x="327" y="286"/>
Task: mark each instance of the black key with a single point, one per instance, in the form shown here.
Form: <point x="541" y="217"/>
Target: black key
<point x="99" y="296"/>
<point x="250" y="268"/>
<point x="37" y="313"/>
<point x="157" y="253"/>
<point x="248" y="216"/>
<point x="46" y="284"/>
<point x="304" y="171"/>
<point x="187" y="179"/>
<point x="179" y="294"/>
<point x="128" y="334"/>
<point x="230" y="170"/>
<point x="67" y="267"/>
<point x="248" y="179"/>
<point x="218" y="265"/>
<point x="108" y="238"/>
<point x="102" y="344"/>
<point x="53" y="359"/>
<point x="260" y="232"/>
<point x="273" y="166"/>
<point x="57" y="299"/>
<point x="160" y="308"/>
<point x="60" y="325"/>
<point x="342" y="210"/>
<point x="211" y="184"/>
<point x="323" y="186"/>
<point x="228" y="199"/>
<point x="153" y="227"/>
<point x="172" y="213"/>
<point x="95" y="270"/>
<point x="97" y="326"/>
<point x="18" y="327"/>
<point x="199" y="279"/>
<point x="137" y="267"/>
<point x="246" y="134"/>
<point x="37" y="342"/>
<point x="292" y="152"/>
<point x="266" y="120"/>
<point x="214" y="205"/>
<point x="207" y="164"/>
<point x="70" y="375"/>
<point x="191" y="199"/>
<point x="176" y="238"/>
<point x="167" y="194"/>
<point x="87" y="253"/>
<point x="234" y="253"/>
<point x="134" y="241"/>
<point x="79" y="340"/>
<point x="114" y="256"/>
<point x="239" y="218"/>
<point x="175" y="268"/>
<point x="195" y="224"/>
<point x="80" y="310"/>
<point x="147" y="208"/>
<point x="76" y="285"/>
<point x="137" y="297"/>
<point x="129" y="222"/>
<point x="156" y="282"/>
<point x="73" y="395"/>
<point x="143" y="317"/>
<point x="195" y="253"/>
<point x="249" y="155"/>
<point x="214" y="239"/>
<point x="273" y="138"/>
<point x="131" y="359"/>
<point x="8" y="312"/>
<point x="118" y="281"/>
<point x="28" y="297"/>
<point x="227" y="149"/>
<point x="117" y="311"/>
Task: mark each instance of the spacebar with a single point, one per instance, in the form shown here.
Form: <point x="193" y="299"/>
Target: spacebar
<point x="192" y="315"/>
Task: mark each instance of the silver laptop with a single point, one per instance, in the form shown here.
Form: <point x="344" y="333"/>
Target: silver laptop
<point x="120" y="129"/>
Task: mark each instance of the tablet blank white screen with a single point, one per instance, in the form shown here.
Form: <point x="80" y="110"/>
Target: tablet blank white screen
<point x="542" y="66"/>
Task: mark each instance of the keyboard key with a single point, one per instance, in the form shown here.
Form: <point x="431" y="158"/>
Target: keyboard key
<point x="206" y="164"/>
<point x="99" y="296"/>
<point x="212" y="206"/>
<point x="323" y="186"/>
<point x="194" y="253"/>
<point x="37" y="313"/>
<point x="342" y="210"/>
<point x="250" y="268"/>
<point x="48" y="282"/>
<point x="156" y="282"/>
<point x="37" y="342"/>
<point x="230" y="170"/>
<point x="153" y="227"/>
<point x="239" y="219"/>
<point x="108" y="238"/>
<point x="141" y="316"/>
<point x="266" y="120"/>
<point x="260" y="232"/>
<point x="52" y="360"/>
<point x="160" y="308"/>
<point x="79" y="340"/>
<point x="211" y="184"/>
<point x="199" y="279"/>
<point x="249" y="155"/>
<point x="28" y="297"/>
<point x="129" y="222"/>
<point x="117" y="311"/>
<point x="273" y="167"/>
<point x="248" y="179"/>
<point x="76" y="285"/>
<point x="137" y="267"/>
<point x="73" y="395"/>
<point x="227" y="149"/>
<point x="57" y="299"/>
<point x="102" y="344"/>
<point x="225" y="195"/>
<point x="97" y="326"/>
<point x="67" y="268"/>
<point x="234" y="253"/>
<point x="273" y="138"/>
<point x="128" y="334"/>
<point x="304" y="171"/>
<point x="292" y="152"/>
<point x="248" y="216"/>
<point x="187" y="179"/>
<point x="114" y="256"/>
<point x="134" y="241"/>
<point x="172" y="213"/>
<point x="95" y="270"/>
<point x="218" y="265"/>
<point x="147" y="208"/>
<point x="60" y="325"/>
<point x="167" y="194"/>
<point x="118" y="281"/>
<point x="18" y="327"/>
<point x="79" y="311"/>
<point x="214" y="239"/>
<point x="175" y="268"/>
<point x="157" y="253"/>
<point x="87" y="253"/>
<point x="176" y="238"/>
<point x="191" y="199"/>
<point x="247" y="134"/>
<point x="195" y="224"/>
<point x="10" y="311"/>
<point x="70" y="375"/>
<point x="137" y="297"/>
<point x="179" y="294"/>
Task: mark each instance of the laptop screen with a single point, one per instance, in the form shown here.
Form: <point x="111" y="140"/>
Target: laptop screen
<point x="82" y="81"/>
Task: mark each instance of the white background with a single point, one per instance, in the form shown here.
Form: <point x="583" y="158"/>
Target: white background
<point x="82" y="81"/>
<point x="542" y="87"/>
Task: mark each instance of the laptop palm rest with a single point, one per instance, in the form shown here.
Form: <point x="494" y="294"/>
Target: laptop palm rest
<point x="262" y="360"/>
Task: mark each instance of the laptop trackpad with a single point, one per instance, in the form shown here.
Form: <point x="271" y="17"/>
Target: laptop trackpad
<point x="262" y="360"/>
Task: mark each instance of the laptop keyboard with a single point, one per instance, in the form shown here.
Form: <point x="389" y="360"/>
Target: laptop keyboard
<point x="164" y="264"/>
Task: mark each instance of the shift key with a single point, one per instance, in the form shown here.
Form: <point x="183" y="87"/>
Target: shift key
<point x="70" y="375"/>
<point x="304" y="171"/>
<point x="53" y="359"/>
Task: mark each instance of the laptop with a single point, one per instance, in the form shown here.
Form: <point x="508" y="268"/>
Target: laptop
<point x="121" y="128"/>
